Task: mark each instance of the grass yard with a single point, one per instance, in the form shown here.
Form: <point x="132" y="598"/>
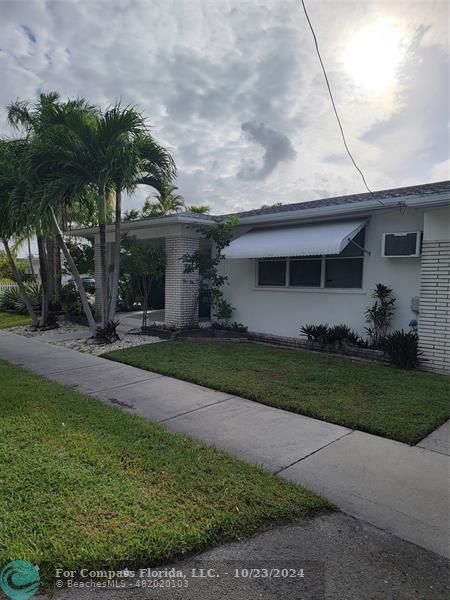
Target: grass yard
<point x="83" y="484"/>
<point x="13" y="320"/>
<point x="402" y="405"/>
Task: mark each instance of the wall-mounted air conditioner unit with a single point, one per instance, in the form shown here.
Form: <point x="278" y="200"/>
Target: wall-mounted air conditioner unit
<point x="401" y="245"/>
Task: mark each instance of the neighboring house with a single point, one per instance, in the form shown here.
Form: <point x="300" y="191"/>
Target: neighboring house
<point x="25" y="260"/>
<point x="318" y="262"/>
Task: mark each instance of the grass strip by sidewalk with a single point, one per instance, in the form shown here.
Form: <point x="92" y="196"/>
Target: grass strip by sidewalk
<point x="85" y="485"/>
<point x="402" y="405"/>
<point x="13" y="320"/>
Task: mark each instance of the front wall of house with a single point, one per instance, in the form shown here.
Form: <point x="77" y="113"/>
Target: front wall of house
<point x="281" y="311"/>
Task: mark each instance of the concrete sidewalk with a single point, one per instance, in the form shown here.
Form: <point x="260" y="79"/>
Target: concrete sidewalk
<point x="401" y="489"/>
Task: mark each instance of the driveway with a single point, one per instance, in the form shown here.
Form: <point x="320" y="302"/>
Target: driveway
<point x="343" y="559"/>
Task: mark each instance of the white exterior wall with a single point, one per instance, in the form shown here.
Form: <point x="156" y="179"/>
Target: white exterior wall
<point x="281" y="311"/>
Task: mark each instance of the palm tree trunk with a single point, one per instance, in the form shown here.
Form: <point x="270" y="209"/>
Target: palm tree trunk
<point x="76" y="275"/>
<point x="43" y="269"/>
<point x="50" y="249"/>
<point x="19" y="280"/>
<point x="116" y="256"/>
<point x="58" y="272"/>
<point x="103" y="258"/>
<point x="30" y="256"/>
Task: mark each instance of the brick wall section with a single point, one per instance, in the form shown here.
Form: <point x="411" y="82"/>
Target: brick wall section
<point x="303" y="344"/>
<point x="181" y="304"/>
<point x="434" y="316"/>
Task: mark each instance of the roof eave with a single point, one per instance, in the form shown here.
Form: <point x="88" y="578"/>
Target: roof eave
<point x="144" y="224"/>
<point x="368" y="206"/>
<point x="371" y="205"/>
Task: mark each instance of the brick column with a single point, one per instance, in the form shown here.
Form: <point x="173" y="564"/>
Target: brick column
<point x="434" y="315"/>
<point x="181" y="303"/>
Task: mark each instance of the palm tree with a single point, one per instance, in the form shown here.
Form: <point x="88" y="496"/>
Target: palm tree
<point x="56" y="191"/>
<point x="200" y="209"/>
<point x="135" y="158"/>
<point x="12" y="227"/>
<point x="167" y="201"/>
<point x="31" y="120"/>
<point x="104" y="154"/>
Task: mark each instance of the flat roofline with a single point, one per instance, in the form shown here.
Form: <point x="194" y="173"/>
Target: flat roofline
<point x="363" y="207"/>
<point x="187" y="219"/>
<point x="334" y="210"/>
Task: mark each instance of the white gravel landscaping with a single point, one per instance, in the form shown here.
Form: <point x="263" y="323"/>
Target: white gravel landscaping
<point x="71" y="335"/>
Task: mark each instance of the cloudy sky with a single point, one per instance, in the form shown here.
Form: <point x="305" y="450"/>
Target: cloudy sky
<point x="234" y="89"/>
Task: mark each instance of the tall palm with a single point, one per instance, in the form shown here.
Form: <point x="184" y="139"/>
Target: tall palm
<point x="167" y="201"/>
<point x="32" y="120"/>
<point x="61" y="190"/>
<point x="140" y="160"/>
<point x="106" y="153"/>
<point x="12" y="223"/>
<point x="27" y="119"/>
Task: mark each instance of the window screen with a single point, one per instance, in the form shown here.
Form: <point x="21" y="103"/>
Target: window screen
<point x="343" y="272"/>
<point x="305" y="272"/>
<point x="272" y="272"/>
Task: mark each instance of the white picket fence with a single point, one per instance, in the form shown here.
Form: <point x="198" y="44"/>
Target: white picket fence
<point x="6" y="286"/>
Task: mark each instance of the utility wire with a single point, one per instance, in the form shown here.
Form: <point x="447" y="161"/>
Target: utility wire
<point x="334" y="106"/>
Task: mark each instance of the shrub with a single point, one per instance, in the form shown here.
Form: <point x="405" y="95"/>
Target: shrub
<point x="108" y="334"/>
<point x="379" y="315"/>
<point x="337" y="334"/>
<point x="402" y="349"/>
<point x="315" y="333"/>
<point x="235" y="326"/>
<point x="11" y="299"/>
<point x="355" y="339"/>
<point x="71" y="301"/>
<point x="222" y="311"/>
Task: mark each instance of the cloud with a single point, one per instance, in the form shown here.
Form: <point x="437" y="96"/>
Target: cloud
<point x="277" y="148"/>
<point x="235" y="91"/>
<point x="415" y="137"/>
<point x="29" y="33"/>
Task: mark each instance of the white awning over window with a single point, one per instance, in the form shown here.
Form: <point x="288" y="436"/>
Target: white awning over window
<point x="301" y="240"/>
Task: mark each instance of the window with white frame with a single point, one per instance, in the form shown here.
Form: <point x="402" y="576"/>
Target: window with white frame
<point x="339" y="271"/>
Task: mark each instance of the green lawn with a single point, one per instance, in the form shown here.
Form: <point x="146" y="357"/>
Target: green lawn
<point x="402" y="405"/>
<point x="83" y="484"/>
<point x="12" y="320"/>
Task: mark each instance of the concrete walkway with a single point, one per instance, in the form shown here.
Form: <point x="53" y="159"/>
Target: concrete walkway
<point x="401" y="489"/>
<point x="439" y="440"/>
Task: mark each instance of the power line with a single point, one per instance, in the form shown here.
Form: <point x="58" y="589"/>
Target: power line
<point x="334" y="106"/>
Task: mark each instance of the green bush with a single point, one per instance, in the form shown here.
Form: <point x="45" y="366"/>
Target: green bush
<point x="11" y="299"/>
<point x="337" y="334"/>
<point x="402" y="348"/>
<point x="71" y="301"/>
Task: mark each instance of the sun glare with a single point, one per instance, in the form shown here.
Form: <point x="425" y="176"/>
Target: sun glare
<point x="374" y="54"/>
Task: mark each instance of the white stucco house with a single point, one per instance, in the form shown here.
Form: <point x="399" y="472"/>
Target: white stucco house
<point x="318" y="262"/>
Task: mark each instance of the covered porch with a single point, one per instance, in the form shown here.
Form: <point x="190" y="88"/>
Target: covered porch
<point x="178" y="235"/>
